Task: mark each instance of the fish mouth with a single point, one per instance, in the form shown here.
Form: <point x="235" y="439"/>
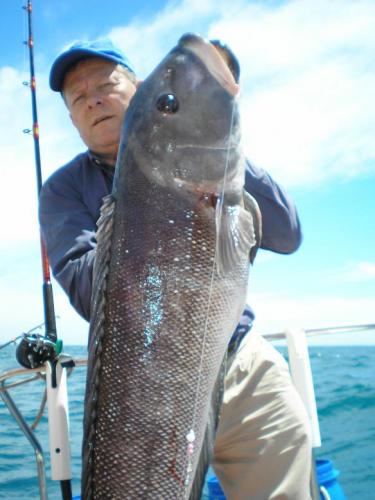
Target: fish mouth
<point x="101" y="119"/>
<point x="213" y="60"/>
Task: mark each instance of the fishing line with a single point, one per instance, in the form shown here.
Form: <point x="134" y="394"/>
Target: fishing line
<point x="11" y="341"/>
<point x="190" y="437"/>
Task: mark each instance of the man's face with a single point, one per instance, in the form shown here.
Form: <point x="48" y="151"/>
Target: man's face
<point x="97" y="94"/>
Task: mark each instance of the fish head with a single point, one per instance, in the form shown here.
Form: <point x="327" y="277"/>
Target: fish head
<point x="182" y="126"/>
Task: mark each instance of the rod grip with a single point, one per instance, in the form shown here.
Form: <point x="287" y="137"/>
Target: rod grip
<point x="49" y="311"/>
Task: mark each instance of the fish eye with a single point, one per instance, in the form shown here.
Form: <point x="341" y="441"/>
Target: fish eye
<point x="167" y="103"/>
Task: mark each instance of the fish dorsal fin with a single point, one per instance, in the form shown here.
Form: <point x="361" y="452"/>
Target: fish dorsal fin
<point x="106" y="214"/>
<point x="98" y="304"/>
<point x="237" y="233"/>
<point x="102" y="255"/>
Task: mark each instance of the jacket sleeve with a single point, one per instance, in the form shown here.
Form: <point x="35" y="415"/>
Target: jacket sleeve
<point x="281" y="229"/>
<point x="68" y="230"/>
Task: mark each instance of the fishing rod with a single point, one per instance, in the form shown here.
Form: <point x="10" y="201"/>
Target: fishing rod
<point x="36" y="349"/>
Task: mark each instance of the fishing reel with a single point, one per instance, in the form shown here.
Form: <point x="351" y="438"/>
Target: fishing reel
<point x="34" y="350"/>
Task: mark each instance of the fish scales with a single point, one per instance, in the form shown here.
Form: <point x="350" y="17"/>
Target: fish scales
<point x="162" y="310"/>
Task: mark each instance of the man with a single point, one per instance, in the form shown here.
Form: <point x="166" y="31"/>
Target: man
<point x="262" y="448"/>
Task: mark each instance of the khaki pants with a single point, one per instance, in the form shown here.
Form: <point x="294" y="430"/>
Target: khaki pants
<point x="263" y="443"/>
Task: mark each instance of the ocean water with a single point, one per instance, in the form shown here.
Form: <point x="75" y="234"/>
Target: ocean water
<point x="344" y="379"/>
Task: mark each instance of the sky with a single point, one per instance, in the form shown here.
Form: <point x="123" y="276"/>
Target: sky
<point x="308" y="117"/>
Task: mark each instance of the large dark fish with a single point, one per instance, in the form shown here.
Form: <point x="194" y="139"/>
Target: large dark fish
<point x="170" y="279"/>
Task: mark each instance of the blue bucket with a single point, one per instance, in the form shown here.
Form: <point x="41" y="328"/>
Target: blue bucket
<point x="214" y="489"/>
<point x="327" y="479"/>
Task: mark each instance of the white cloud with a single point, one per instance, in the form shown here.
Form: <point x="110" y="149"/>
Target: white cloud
<point x="22" y="309"/>
<point x="366" y="270"/>
<point x="147" y="42"/>
<point x="17" y="176"/>
<point x="275" y="313"/>
<point x="309" y="82"/>
<point x="354" y="272"/>
<point x="58" y="144"/>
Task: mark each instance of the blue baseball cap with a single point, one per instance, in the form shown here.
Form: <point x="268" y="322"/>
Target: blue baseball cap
<point x="103" y="48"/>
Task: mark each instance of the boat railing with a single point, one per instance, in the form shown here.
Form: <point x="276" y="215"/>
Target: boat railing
<point x="330" y="330"/>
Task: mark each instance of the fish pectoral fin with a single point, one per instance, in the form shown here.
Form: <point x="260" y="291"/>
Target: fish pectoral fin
<point x="253" y="208"/>
<point x="235" y="236"/>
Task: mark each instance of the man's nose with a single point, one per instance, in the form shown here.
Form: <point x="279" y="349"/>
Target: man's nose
<point x="94" y="99"/>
